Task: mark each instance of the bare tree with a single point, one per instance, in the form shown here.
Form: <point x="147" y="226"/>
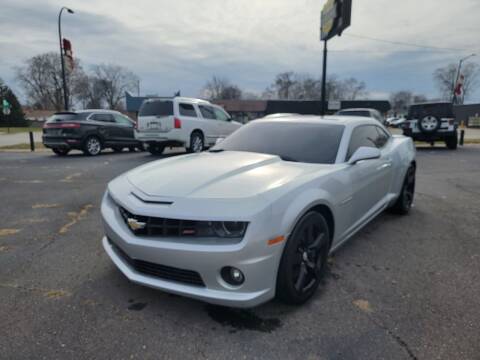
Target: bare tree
<point x="352" y="89"/>
<point x="89" y="92"/>
<point x="41" y="79"/>
<point x="305" y="87"/>
<point x="218" y="88"/>
<point x="401" y="100"/>
<point x="445" y="78"/>
<point x="283" y="84"/>
<point x="113" y="81"/>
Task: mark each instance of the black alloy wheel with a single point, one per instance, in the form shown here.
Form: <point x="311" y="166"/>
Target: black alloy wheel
<point x="404" y="202"/>
<point x="304" y="259"/>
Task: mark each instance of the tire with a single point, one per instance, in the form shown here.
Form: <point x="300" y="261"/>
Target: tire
<point x="117" y="149"/>
<point x="61" y="151"/>
<point x="452" y="142"/>
<point x="429" y="124"/>
<point x="197" y="144"/>
<point x="131" y="149"/>
<point x="405" y="200"/>
<point x="92" y="146"/>
<point x="304" y="260"/>
<point x="156" y="149"/>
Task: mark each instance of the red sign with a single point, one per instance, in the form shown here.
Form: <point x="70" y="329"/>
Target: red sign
<point x="68" y="54"/>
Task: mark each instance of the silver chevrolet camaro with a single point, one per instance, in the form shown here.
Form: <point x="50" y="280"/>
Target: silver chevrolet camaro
<point x="257" y="215"/>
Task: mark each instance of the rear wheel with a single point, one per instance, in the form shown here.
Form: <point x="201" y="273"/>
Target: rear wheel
<point x="156" y="149"/>
<point x="92" y="146"/>
<point x="451" y="142"/>
<point x="61" y="151"/>
<point x="404" y="202"/>
<point x="304" y="259"/>
<point x="196" y="143"/>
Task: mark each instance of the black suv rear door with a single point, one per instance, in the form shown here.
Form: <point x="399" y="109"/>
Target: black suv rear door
<point x="107" y="127"/>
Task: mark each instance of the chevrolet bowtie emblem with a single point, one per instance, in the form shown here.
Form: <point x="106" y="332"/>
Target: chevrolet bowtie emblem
<point x="135" y="225"/>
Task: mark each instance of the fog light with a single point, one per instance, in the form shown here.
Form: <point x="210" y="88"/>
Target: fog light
<point x="232" y="276"/>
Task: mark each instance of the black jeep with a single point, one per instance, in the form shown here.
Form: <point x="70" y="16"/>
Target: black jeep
<point x="432" y="122"/>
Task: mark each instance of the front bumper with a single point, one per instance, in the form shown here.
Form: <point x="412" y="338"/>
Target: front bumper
<point x="258" y="261"/>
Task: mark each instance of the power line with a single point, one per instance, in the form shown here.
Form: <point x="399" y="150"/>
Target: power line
<point x="405" y="43"/>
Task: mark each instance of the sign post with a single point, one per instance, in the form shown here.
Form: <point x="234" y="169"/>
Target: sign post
<point x="335" y="17"/>
<point x="6" y="109"/>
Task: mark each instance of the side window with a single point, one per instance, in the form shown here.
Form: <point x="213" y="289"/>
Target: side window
<point x="103" y="117"/>
<point x="187" y="110"/>
<point x="122" y="120"/>
<point x="364" y="135"/>
<point x="382" y="137"/>
<point x="207" y="112"/>
<point x="221" y="115"/>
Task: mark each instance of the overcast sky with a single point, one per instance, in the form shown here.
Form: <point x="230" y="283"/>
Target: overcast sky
<point x="179" y="44"/>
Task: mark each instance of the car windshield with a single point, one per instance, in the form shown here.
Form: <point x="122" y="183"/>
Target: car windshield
<point x="298" y="142"/>
<point x="355" y="113"/>
<point x="156" y="108"/>
<point x="68" y="116"/>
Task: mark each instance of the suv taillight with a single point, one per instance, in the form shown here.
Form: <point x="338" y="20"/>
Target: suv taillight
<point x="177" y="123"/>
<point x="61" y="126"/>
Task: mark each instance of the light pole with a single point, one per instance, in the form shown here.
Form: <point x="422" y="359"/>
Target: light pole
<point x="454" y="96"/>
<point x="65" y="94"/>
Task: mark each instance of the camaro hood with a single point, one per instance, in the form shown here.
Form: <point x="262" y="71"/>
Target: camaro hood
<point x="226" y="174"/>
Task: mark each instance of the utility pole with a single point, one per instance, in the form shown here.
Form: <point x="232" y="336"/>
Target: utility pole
<point x="324" y="79"/>
<point x="64" y="81"/>
<point x="454" y="95"/>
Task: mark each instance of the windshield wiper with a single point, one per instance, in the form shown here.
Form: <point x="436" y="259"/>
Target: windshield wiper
<point x="216" y="150"/>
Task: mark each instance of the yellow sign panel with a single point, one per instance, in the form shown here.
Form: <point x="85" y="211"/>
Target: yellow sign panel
<point x="329" y="13"/>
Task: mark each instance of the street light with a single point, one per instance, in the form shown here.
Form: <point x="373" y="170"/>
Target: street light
<point x="65" y="94"/>
<point x="454" y="96"/>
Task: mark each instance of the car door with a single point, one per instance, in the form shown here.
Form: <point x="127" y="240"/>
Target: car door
<point x="225" y="124"/>
<point x="370" y="179"/>
<point x="211" y="124"/>
<point x="107" y="128"/>
<point x="125" y="129"/>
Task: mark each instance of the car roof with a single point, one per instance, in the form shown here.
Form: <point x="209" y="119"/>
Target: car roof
<point x="357" y="109"/>
<point x="97" y="110"/>
<point x="179" y="99"/>
<point x="350" y="121"/>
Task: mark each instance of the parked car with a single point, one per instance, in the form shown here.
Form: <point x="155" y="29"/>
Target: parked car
<point x="375" y="114"/>
<point x="89" y="131"/>
<point x="432" y="122"/>
<point x="257" y="215"/>
<point x="396" y="122"/>
<point x="193" y="123"/>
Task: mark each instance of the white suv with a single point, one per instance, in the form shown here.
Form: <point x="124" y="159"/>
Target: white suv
<point x="193" y="123"/>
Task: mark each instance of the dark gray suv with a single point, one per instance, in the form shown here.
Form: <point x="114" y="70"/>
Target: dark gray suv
<point x="89" y="131"/>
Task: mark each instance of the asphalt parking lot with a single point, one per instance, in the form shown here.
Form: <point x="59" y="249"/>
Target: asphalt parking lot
<point x="403" y="288"/>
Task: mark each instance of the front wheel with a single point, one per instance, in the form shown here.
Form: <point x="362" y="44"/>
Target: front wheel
<point x="405" y="200"/>
<point x="304" y="260"/>
<point x="92" y="146"/>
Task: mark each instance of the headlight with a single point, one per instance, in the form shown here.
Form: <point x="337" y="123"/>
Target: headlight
<point x="231" y="229"/>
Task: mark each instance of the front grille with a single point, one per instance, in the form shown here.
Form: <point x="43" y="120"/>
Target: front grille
<point x="161" y="271"/>
<point x="154" y="226"/>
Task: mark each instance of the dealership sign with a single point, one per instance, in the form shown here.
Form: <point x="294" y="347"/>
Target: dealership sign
<point x="336" y="17"/>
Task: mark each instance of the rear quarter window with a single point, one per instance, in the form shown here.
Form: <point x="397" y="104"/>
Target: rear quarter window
<point x="156" y="108"/>
<point x="187" y="110"/>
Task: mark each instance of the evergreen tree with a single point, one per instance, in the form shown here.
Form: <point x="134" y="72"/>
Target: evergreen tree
<point x="16" y="116"/>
